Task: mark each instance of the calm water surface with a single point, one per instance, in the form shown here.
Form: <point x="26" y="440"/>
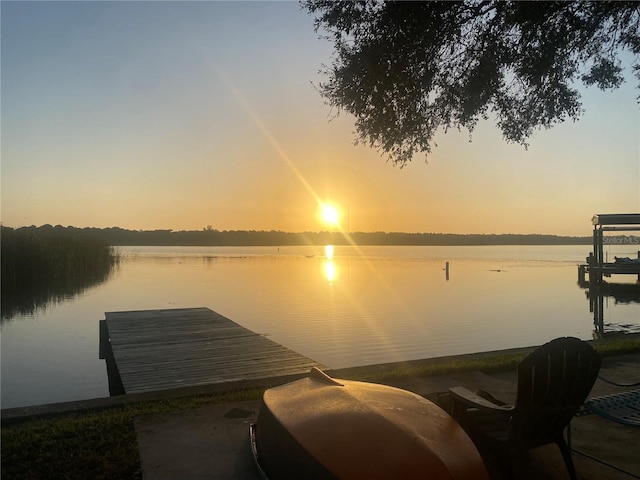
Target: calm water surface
<point x="364" y="306"/>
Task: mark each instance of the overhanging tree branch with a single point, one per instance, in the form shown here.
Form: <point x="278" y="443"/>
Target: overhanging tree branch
<point x="405" y="70"/>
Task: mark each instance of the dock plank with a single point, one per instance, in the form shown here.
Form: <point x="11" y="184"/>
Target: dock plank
<point x="174" y="348"/>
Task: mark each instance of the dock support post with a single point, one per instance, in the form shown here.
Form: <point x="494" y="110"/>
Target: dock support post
<point x="581" y="275"/>
<point x="106" y="353"/>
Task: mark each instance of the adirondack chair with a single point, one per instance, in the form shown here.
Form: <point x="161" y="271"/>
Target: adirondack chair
<point x="553" y="382"/>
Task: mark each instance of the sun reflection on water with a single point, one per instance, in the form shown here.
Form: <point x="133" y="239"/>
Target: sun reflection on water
<point x="329" y="267"/>
<point x="329" y="251"/>
<point x="330" y="270"/>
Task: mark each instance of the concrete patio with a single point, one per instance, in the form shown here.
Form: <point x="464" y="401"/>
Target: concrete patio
<point x="213" y="442"/>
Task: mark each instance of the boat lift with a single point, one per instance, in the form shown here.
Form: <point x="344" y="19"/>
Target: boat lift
<point x="597" y="267"/>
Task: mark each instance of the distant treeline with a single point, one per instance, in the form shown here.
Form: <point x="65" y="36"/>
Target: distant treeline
<point x="210" y="237"/>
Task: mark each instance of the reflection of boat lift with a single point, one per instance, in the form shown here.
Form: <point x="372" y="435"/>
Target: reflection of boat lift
<point x="599" y="294"/>
<point x="597" y="268"/>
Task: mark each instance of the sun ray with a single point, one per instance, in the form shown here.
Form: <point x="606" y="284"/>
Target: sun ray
<point x="237" y="94"/>
<point x="285" y="158"/>
<point x="267" y="134"/>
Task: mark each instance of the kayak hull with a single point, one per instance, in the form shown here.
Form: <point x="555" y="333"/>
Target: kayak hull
<point x="320" y="428"/>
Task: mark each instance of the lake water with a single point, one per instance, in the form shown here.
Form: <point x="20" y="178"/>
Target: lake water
<point x="364" y="306"/>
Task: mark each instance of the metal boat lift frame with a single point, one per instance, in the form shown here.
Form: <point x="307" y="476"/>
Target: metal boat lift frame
<point x="597" y="267"/>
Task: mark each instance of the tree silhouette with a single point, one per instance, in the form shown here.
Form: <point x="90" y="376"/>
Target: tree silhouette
<point x="408" y="69"/>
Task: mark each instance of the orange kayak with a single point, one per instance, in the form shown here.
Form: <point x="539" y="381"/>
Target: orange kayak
<point x="320" y="428"/>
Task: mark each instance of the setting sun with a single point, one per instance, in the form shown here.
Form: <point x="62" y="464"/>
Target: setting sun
<point x="330" y="214"/>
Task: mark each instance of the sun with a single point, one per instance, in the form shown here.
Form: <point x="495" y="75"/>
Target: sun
<point x="330" y="214"/>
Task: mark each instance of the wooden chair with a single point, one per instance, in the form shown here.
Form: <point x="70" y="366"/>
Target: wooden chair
<point x="553" y="383"/>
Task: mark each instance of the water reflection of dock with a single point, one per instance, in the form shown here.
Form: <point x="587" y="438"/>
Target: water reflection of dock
<point x="592" y="274"/>
<point x="155" y="350"/>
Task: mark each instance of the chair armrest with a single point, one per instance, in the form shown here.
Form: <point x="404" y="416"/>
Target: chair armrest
<point x="470" y="399"/>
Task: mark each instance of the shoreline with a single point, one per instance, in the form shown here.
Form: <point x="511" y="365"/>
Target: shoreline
<point x="495" y="360"/>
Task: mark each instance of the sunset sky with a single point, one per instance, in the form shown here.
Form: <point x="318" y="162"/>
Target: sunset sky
<point x="179" y="115"/>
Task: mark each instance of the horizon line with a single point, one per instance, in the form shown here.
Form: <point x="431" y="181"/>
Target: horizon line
<point x="358" y="232"/>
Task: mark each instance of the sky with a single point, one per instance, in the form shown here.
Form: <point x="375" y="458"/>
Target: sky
<point x="179" y="115"/>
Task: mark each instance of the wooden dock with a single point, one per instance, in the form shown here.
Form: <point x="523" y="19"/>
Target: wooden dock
<point x="167" y="349"/>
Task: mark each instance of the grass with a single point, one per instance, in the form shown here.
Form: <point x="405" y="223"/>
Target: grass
<point x="98" y="445"/>
<point x="483" y="362"/>
<point x="102" y="444"/>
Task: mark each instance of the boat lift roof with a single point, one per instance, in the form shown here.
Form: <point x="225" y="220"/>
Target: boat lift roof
<point x="616" y="219"/>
